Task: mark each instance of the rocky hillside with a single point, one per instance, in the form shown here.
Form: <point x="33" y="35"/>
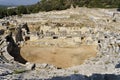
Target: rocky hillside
<point x="73" y="44"/>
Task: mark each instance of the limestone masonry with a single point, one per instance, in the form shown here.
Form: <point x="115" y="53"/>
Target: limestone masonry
<point x="73" y="44"/>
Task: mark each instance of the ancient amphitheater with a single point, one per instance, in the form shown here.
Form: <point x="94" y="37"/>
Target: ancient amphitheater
<point x="73" y="44"/>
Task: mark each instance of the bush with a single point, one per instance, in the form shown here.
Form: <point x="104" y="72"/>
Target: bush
<point x="48" y="5"/>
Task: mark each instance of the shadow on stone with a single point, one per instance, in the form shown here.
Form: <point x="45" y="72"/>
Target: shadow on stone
<point x="93" y="77"/>
<point x="117" y="66"/>
<point x="118" y="9"/>
<point x="14" y="50"/>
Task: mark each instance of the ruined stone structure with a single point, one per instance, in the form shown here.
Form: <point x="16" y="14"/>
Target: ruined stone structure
<point x="89" y="43"/>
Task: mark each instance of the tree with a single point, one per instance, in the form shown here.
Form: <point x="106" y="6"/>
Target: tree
<point x="11" y="12"/>
<point x="21" y="10"/>
<point x="3" y="12"/>
<point x="118" y="8"/>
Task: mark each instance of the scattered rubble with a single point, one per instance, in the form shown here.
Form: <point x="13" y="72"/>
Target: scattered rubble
<point x="71" y="28"/>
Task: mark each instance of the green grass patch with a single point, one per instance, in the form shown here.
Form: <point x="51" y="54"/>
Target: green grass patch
<point x="19" y="71"/>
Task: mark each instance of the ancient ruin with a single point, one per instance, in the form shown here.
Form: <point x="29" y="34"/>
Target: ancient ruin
<point x="76" y="40"/>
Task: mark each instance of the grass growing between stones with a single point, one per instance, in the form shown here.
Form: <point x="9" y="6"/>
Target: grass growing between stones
<point x="19" y="71"/>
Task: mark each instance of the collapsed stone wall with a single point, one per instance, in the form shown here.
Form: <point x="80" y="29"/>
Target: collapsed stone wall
<point x="10" y="47"/>
<point x="107" y="41"/>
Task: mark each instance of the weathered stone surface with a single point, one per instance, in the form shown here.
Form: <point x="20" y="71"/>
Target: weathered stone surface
<point x="4" y="71"/>
<point x="50" y="31"/>
<point x="30" y="66"/>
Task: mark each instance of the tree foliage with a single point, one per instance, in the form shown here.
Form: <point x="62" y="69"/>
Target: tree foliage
<point x="11" y="12"/>
<point x="21" y="10"/>
<point x="48" y="5"/>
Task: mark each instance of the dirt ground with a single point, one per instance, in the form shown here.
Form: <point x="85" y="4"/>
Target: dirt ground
<point x="60" y="57"/>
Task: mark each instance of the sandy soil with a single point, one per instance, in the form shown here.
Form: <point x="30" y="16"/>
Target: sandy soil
<point x="60" y="57"/>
